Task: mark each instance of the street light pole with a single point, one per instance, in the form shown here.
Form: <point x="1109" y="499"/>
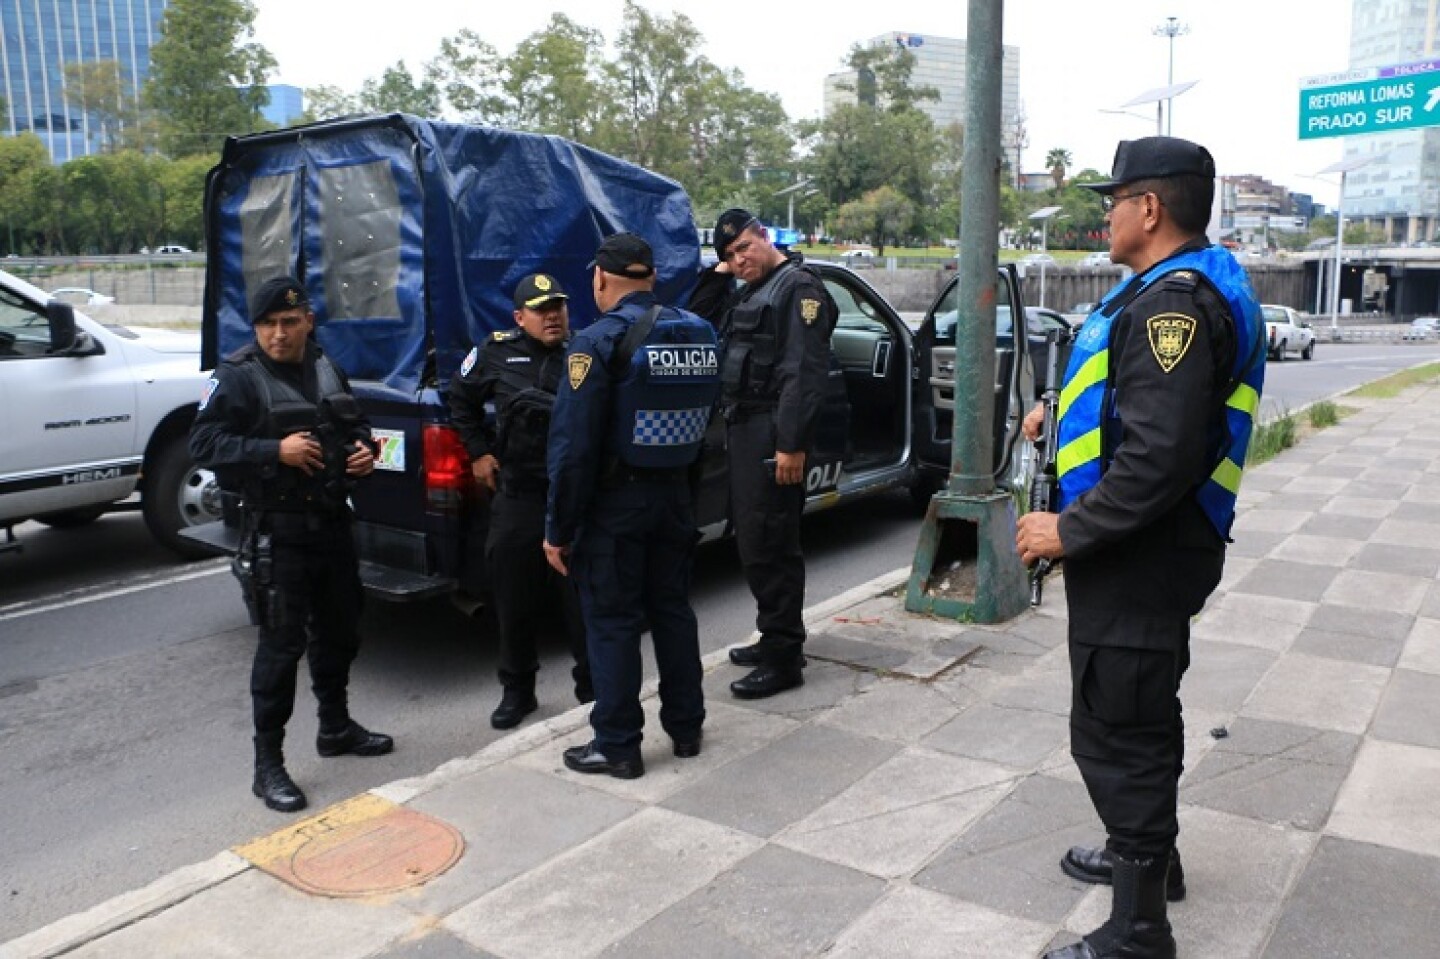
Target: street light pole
<point x="1339" y="246"/>
<point x="1171" y="28"/>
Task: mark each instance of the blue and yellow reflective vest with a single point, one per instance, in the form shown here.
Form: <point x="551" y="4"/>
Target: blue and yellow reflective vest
<point x="1085" y="398"/>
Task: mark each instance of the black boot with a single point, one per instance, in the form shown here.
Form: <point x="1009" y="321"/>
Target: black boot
<point x="517" y="703"/>
<point x="1092" y="865"/>
<point x="354" y="739"/>
<point x="767" y="680"/>
<point x="1137" y="927"/>
<point x="272" y="783"/>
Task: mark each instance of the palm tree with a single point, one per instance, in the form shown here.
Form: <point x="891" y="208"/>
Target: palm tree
<point x="1058" y="160"/>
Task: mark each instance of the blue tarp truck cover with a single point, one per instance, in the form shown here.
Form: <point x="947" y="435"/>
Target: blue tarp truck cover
<point x="410" y="235"/>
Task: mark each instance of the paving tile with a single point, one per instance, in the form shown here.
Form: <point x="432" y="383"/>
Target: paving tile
<point x="1237" y="872"/>
<point x="1287" y="580"/>
<point x="1355" y="899"/>
<point x="1430" y="608"/>
<point x="1264" y="621"/>
<point x="600" y="892"/>
<point x="1393" y="592"/>
<point x="901" y="710"/>
<point x="513" y="819"/>
<point x="1263" y="520"/>
<point x="222" y="921"/>
<point x="1223" y="675"/>
<point x="1236" y="569"/>
<point x="1277" y="773"/>
<point x="1312" y="483"/>
<point x="892" y="821"/>
<point x="1408" y="560"/>
<point x="1349" y="647"/>
<point x="1324" y="693"/>
<point x="1327" y="467"/>
<point x="785" y="781"/>
<point x="1360" y="506"/>
<point x="1410" y="710"/>
<point x="1428" y="513"/>
<point x="1385" y="483"/>
<point x="1341" y="527"/>
<point x="1317" y="550"/>
<point x="1404" y="532"/>
<point x="433" y="944"/>
<point x="1422" y="648"/>
<point x="1254" y="545"/>
<point x="1018" y="738"/>
<point x="1007" y="860"/>
<point x="1389" y="798"/>
<point x="920" y="924"/>
<point x="1422" y="493"/>
<point x="774" y="904"/>
<point x="825" y="685"/>
<point x="875" y="653"/>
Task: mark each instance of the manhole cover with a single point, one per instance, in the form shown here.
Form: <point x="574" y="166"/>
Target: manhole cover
<point x="366" y="846"/>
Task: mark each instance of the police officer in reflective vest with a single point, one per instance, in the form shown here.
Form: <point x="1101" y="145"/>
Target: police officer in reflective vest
<point x="520" y="370"/>
<point x="640" y="385"/>
<point x="278" y="425"/>
<point x="776" y="364"/>
<point x="1156" y="414"/>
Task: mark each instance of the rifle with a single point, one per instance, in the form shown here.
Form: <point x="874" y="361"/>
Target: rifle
<point x="253" y="566"/>
<point x="1045" y="487"/>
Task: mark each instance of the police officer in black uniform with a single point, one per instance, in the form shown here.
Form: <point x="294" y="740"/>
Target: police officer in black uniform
<point x="1161" y="390"/>
<point x="520" y="370"/>
<point x="278" y="425"/>
<point x="776" y="338"/>
<point x="641" y="383"/>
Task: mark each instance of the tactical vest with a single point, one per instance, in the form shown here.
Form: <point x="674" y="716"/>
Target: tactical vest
<point x="523" y="424"/>
<point x="665" y="393"/>
<point x="1087" y="413"/>
<point x="287" y="411"/>
<point x="752" y="344"/>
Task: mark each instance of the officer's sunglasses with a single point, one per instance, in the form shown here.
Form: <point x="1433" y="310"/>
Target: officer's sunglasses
<point x="1110" y="201"/>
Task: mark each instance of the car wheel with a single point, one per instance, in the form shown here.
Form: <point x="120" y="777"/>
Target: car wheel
<point x="1309" y="352"/>
<point x="73" y="518"/>
<point x="178" y="494"/>
<point x="1279" y="355"/>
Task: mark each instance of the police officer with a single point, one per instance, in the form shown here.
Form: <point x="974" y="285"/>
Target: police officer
<point x="776" y="336"/>
<point x="1160" y="394"/>
<point x="278" y="425"/>
<point x="520" y="370"/>
<point x="640" y="386"/>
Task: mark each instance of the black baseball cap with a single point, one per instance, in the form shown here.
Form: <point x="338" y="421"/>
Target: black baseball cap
<point x="536" y="290"/>
<point x="731" y="224"/>
<point x="627" y="255"/>
<point x="279" y="293"/>
<point x="1153" y="158"/>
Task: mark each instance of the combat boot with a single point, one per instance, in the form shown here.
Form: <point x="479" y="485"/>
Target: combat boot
<point x="1092" y="865"/>
<point x="272" y="783"/>
<point x="517" y="703"/>
<point x="1138" y="927"/>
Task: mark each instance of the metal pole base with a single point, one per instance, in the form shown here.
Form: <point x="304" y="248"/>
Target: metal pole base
<point x="966" y="567"/>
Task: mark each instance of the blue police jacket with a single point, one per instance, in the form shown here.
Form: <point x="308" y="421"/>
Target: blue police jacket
<point x="1088" y="416"/>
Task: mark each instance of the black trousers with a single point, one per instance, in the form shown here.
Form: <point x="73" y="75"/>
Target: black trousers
<point x="1127" y="730"/>
<point x="767" y="535"/>
<point x="527" y="592"/>
<point x="313" y="611"/>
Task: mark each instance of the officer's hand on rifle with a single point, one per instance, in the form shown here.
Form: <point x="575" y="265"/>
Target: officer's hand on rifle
<point x="485" y="468"/>
<point x="1037" y="536"/>
<point x="302" y="451"/>
<point x="556" y="556"/>
<point x="361" y="461"/>
<point x="789" y="468"/>
<point x="1034" y="423"/>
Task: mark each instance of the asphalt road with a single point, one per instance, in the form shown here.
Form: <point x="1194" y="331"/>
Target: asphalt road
<point x="124" y="718"/>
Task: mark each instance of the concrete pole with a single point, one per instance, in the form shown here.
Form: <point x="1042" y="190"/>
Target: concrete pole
<point x="1339" y="245"/>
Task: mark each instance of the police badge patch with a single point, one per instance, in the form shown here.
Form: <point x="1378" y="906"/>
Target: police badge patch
<point x="211" y="385"/>
<point x="579" y="367"/>
<point x="809" y="310"/>
<point x="469" y="363"/>
<point x="1170" y="337"/>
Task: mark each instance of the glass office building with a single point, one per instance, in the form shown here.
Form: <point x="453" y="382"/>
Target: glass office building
<point x="42" y="36"/>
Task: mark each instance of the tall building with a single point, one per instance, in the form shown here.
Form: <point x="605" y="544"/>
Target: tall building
<point x="1399" y="189"/>
<point x="939" y="63"/>
<point x="42" y="36"/>
<point x="1252" y="209"/>
<point x="286" y="104"/>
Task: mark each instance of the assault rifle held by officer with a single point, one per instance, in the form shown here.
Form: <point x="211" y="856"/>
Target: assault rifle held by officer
<point x="1044" y="486"/>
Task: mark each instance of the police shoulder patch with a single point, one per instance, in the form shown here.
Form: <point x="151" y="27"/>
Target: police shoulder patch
<point x="211" y="385"/>
<point x="809" y="310"/>
<point x="1170" y="336"/>
<point x="579" y="364"/>
<point x="470" y="359"/>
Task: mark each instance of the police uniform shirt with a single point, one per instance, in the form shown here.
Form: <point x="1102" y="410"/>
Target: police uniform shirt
<point x="1170" y="410"/>
<point x="483" y="377"/>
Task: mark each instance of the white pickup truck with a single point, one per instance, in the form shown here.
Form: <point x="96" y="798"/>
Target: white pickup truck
<point x="90" y="414"/>
<point x="1286" y="333"/>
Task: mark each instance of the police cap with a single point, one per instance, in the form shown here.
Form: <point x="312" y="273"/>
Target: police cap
<point x="1151" y="158"/>
<point x="627" y="255"/>
<point x="731" y="224"/>
<point x="276" y="294"/>
<point x="536" y="290"/>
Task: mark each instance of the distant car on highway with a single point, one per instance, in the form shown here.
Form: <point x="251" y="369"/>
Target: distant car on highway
<point x="858" y="259"/>
<point x="1097" y="258"/>
<point x="1286" y="332"/>
<point x="79" y="296"/>
<point x="1422" y="328"/>
<point x="173" y="248"/>
<point x="1037" y="259"/>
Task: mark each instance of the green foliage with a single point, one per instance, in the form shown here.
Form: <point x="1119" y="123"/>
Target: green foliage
<point x="1058" y="161"/>
<point x="885" y="77"/>
<point x="879" y="215"/>
<point x="206" y="82"/>
<point x="553" y="83"/>
<point x="466" y="73"/>
<point x="397" y="90"/>
<point x="1393" y="384"/>
<point x="1323" y="414"/>
<point x="101" y="89"/>
<point x="1271" y="439"/>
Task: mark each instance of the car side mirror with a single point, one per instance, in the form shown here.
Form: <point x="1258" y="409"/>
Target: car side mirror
<point x="62" y="326"/>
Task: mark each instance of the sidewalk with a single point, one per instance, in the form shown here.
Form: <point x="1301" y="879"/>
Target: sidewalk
<point x="914" y="797"/>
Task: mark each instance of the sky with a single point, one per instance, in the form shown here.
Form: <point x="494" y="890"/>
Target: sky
<point x="1076" y="59"/>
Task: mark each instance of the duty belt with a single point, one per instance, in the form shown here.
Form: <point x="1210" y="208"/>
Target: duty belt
<point x="623" y="475"/>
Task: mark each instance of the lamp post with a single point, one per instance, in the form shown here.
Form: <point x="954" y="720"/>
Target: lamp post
<point x="1043" y="215"/>
<point x="1342" y="168"/>
<point x="1171" y="28"/>
<point x="790" y="191"/>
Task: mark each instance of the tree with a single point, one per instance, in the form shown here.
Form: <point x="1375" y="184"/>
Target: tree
<point x="885" y="77"/>
<point x="326" y="102"/>
<point x="21" y="157"/>
<point x="655" y="62"/>
<point x="864" y="148"/>
<point x="206" y="82"/>
<point x="101" y="90"/>
<point x="1058" y="160"/>
<point x="878" y="215"/>
<point x="553" y="83"/>
<point x="397" y="90"/>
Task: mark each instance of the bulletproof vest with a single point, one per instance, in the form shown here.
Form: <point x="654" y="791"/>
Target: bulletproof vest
<point x="752" y="330"/>
<point x="666" y="391"/>
<point x="524" y="424"/>
<point x="287" y="411"/>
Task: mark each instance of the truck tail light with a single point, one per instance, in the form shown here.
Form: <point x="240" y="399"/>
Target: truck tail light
<point x="447" y="468"/>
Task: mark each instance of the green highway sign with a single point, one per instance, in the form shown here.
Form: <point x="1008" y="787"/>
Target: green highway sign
<point x="1371" y="100"/>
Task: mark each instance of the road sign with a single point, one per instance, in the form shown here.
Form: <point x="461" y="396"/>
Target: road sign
<point x="1370" y="100"/>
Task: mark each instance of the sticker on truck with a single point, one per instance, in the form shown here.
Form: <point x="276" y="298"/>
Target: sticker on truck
<point x="391" y="444"/>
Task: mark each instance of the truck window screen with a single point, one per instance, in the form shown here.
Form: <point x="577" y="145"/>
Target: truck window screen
<point x="267" y="229"/>
<point x="360" y="227"/>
